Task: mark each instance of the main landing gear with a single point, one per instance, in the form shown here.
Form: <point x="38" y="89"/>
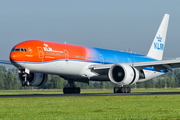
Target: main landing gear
<point x="71" y="89"/>
<point x="122" y="89"/>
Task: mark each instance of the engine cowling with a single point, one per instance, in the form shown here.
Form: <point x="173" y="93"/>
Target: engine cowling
<point x="35" y="79"/>
<point x="123" y="74"/>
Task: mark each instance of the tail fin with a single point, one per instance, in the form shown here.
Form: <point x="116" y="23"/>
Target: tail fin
<point x="158" y="44"/>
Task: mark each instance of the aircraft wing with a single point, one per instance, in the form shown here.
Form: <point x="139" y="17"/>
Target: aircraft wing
<point x="7" y="62"/>
<point x="158" y="65"/>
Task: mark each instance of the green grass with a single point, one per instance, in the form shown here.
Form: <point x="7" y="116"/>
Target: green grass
<point x="21" y="92"/>
<point x="91" y="108"/>
<point x="156" y="90"/>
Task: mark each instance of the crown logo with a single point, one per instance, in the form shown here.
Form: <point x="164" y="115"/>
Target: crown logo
<point x="159" y="39"/>
<point x="46" y="45"/>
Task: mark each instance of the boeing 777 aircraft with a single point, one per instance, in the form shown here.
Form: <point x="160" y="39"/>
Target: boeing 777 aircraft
<point x="36" y="58"/>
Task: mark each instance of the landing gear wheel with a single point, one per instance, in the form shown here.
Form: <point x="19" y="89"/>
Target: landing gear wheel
<point x="128" y="90"/>
<point x="27" y="83"/>
<point x="23" y="83"/>
<point x="66" y="90"/>
<point x="125" y="90"/>
<point x="116" y="89"/>
<point x="78" y="90"/>
<point x="122" y="89"/>
<point x="71" y="90"/>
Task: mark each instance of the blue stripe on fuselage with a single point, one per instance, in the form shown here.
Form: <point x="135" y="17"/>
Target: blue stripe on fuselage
<point x="114" y="57"/>
<point x="111" y="56"/>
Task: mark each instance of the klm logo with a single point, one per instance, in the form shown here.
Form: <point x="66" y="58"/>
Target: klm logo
<point x="159" y="45"/>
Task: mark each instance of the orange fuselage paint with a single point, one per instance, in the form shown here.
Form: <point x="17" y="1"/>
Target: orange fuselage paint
<point x="43" y="51"/>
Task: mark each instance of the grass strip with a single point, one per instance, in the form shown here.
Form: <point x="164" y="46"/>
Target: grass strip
<point x="91" y="108"/>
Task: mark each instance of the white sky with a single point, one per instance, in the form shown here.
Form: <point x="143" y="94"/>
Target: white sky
<point x="109" y="24"/>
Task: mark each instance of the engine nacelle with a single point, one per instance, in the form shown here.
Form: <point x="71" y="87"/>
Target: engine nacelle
<point x="35" y="79"/>
<point x="123" y="74"/>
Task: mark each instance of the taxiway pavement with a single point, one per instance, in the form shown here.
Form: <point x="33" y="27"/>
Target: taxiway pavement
<point x="88" y="94"/>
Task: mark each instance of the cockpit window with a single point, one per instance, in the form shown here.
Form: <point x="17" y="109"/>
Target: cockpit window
<point x="13" y="49"/>
<point x="19" y="49"/>
<point x="25" y="50"/>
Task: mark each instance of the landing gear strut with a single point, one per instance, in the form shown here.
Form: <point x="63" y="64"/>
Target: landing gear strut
<point x="25" y="82"/>
<point x="72" y="89"/>
<point x="122" y="89"/>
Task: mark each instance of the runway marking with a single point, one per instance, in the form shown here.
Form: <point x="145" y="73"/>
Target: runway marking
<point x="89" y="94"/>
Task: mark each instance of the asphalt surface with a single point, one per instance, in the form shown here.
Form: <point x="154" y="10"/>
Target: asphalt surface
<point x="88" y="94"/>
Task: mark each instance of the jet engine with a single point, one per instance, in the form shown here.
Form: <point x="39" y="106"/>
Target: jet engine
<point x="123" y="74"/>
<point x="35" y="79"/>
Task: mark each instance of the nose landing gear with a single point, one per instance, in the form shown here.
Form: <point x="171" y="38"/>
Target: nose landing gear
<point x="25" y="82"/>
<point x="23" y="74"/>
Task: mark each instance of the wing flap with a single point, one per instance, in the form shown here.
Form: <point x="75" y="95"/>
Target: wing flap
<point x="158" y="65"/>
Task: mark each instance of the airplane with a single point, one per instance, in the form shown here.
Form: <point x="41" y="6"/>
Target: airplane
<point x="35" y="59"/>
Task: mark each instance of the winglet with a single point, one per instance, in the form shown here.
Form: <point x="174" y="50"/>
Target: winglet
<point x="158" y="44"/>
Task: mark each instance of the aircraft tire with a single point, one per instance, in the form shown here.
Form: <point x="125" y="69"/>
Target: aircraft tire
<point x="121" y="90"/>
<point x="71" y="90"/>
<point x="23" y="83"/>
<point x="78" y="90"/>
<point x="27" y="83"/>
<point x="128" y="90"/>
<point x="116" y="89"/>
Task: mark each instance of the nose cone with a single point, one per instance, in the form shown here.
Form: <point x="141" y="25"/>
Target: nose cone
<point x="12" y="56"/>
<point x="16" y="56"/>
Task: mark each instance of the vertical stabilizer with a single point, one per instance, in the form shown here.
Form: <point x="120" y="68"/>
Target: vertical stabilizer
<point x="157" y="47"/>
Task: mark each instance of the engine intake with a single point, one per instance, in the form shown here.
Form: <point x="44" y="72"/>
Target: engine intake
<point x="35" y="79"/>
<point x="123" y="74"/>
